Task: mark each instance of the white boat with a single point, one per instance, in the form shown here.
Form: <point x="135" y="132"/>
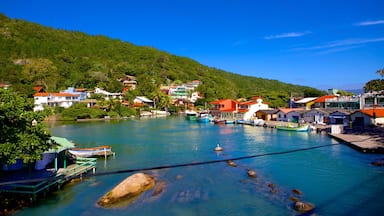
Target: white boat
<point x="92" y="152"/>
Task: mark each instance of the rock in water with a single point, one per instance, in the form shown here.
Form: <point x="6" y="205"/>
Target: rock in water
<point x="127" y="191"/>
<point x="303" y="206"/>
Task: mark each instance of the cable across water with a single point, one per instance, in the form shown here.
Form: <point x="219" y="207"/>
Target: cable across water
<point x="178" y="165"/>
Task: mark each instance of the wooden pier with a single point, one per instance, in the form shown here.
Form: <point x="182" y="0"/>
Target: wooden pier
<point x="34" y="187"/>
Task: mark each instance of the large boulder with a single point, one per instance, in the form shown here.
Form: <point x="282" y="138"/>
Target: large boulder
<point x="127" y="191"/>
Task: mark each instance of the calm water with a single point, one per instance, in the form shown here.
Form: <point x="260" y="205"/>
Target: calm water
<point x="337" y="179"/>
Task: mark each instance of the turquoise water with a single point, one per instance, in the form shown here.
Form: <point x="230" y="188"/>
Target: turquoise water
<point x="337" y="179"/>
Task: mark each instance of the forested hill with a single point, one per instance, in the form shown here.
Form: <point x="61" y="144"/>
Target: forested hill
<point x="31" y="54"/>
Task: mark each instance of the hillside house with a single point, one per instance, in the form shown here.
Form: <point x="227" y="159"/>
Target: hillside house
<point x="54" y="100"/>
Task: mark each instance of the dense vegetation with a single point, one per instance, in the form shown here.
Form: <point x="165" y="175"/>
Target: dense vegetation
<point x="22" y="133"/>
<point x="31" y="54"/>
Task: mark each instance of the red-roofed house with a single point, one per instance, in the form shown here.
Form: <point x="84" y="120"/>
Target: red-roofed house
<point x="368" y="117"/>
<point x="224" y="109"/>
<point x="320" y="101"/>
<point x="54" y="99"/>
<point x="290" y="114"/>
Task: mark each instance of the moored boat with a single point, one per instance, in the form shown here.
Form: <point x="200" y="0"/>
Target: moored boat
<point x="190" y="115"/>
<point x="92" y="151"/>
<point x="203" y="117"/>
<point x="303" y="128"/>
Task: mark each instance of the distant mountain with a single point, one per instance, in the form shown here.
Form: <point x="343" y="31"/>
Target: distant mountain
<point x="31" y="54"/>
<point x="355" y="91"/>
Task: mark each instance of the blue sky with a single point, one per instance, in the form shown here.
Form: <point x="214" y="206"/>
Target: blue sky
<point x="318" y="43"/>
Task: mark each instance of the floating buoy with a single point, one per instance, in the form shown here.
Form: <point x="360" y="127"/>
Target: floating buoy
<point x="218" y="148"/>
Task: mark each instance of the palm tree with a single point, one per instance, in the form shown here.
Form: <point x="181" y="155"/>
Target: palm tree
<point x="381" y="72"/>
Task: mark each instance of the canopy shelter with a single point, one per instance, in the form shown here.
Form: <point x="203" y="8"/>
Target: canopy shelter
<point x="62" y="144"/>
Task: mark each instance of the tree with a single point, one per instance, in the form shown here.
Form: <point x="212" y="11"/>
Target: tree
<point x="23" y="135"/>
<point x="374" y="85"/>
<point x="381" y="72"/>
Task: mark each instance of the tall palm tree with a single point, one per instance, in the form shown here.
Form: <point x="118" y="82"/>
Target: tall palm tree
<point x="381" y="72"/>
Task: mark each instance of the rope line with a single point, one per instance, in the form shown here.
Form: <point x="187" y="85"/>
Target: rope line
<point x="177" y="165"/>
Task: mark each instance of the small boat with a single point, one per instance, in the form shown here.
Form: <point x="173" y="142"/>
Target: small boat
<point x="203" y="117"/>
<point x="92" y="152"/>
<point x="219" y="121"/>
<point x="229" y="121"/>
<point x="303" y="128"/>
<point x="190" y="115"/>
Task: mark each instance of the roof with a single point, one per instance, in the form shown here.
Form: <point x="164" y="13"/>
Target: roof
<point x="323" y="98"/>
<point x="144" y="99"/>
<point x="63" y="144"/>
<point x="61" y="94"/>
<point x="247" y="103"/>
<point x="379" y="112"/>
<point x="306" y="100"/>
<point x="269" y="111"/>
<point x="287" y="110"/>
<point x="222" y="101"/>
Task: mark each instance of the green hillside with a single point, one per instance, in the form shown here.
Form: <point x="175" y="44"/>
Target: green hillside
<point x="31" y="54"/>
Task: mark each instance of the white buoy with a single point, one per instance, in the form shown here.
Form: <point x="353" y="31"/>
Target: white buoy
<point x="218" y="148"/>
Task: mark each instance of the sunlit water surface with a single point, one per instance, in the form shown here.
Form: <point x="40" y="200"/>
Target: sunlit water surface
<point x="336" y="179"/>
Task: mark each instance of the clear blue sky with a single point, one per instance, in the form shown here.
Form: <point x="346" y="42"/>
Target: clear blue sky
<point x="318" y="43"/>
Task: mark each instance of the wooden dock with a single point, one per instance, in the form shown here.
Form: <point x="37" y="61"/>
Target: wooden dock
<point x="362" y="143"/>
<point x="34" y="187"/>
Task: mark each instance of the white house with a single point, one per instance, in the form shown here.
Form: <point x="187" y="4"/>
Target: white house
<point x="316" y="116"/>
<point x="54" y="99"/>
<point x="249" y="108"/>
<point x="108" y="95"/>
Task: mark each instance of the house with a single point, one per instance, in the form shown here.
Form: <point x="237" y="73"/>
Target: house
<point x="82" y="92"/>
<point x="372" y="99"/>
<point x="320" y="101"/>
<point x="247" y="109"/>
<point x="140" y="101"/>
<point x="267" y="114"/>
<point x="305" y="103"/>
<point x="367" y="117"/>
<point x="343" y="102"/>
<point x="339" y="117"/>
<point x="224" y="109"/>
<point x="316" y="116"/>
<point x="129" y="83"/>
<point x="54" y="100"/>
<point x="108" y="95"/>
<point x="290" y="114"/>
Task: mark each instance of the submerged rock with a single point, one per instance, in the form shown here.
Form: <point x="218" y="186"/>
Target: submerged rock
<point x="231" y="163"/>
<point x="251" y="173"/>
<point x="127" y="191"/>
<point x="303" y="206"/>
<point x="159" y="188"/>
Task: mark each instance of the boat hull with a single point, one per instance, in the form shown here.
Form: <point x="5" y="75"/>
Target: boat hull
<point x="91" y="152"/>
<point x="304" y="128"/>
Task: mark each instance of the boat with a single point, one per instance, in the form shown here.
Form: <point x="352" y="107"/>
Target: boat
<point x="303" y="128"/>
<point x="229" y="121"/>
<point x="219" y="121"/>
<point x="190" y="115"/>
<point x="92" y="151"/>
<point x="203" y="117"/>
